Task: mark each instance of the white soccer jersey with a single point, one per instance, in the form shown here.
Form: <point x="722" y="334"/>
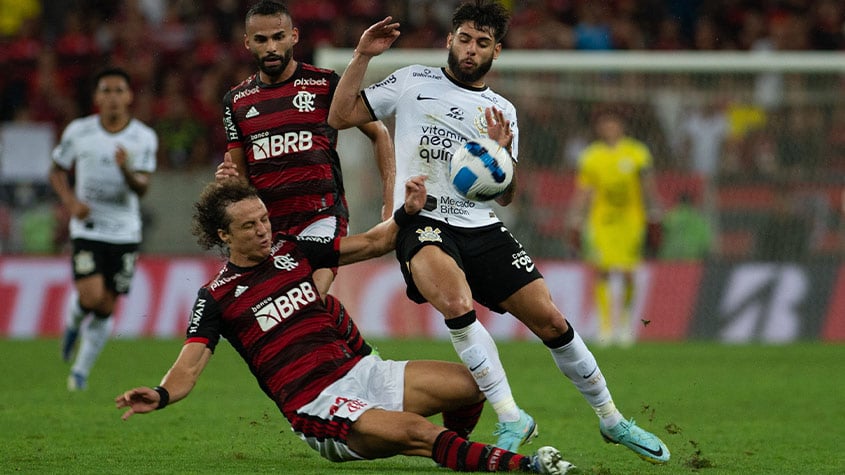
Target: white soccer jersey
<point x="115" y="210"/>
<point x="434" y="117"/>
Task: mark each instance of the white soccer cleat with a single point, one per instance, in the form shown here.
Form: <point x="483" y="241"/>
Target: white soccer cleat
<point x="548" y="460"/>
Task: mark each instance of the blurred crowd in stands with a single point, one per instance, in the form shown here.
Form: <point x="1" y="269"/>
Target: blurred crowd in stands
<point x="183" y="55"/>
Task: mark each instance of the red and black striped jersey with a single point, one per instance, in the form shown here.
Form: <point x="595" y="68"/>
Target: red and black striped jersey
<point x="290" y="149"/>
<point x="273" y="316"/>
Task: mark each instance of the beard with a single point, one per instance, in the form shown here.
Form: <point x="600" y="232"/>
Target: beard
<point x="275" y="71"/>
<point x="470" y="76"/>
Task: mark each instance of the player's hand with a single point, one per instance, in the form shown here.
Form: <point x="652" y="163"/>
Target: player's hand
<point x="415" y="194"/>
<point x="378" y="38"/>
<point x="498" y="128"/>
<point x="138" y="400"/>
<point x="121" y="157"/>
<point x="226" y="169"/>
<point x="79" y="210"/>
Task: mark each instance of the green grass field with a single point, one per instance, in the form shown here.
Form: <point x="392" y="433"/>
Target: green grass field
<point x="720" y="409"/>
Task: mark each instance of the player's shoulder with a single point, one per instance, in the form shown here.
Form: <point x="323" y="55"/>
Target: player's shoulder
<point x="596" y="148"/>
<point x="84" y="122"/>
<point x="316" y="70"/>
<point x="635" y="145"/>
<point x="247" y="83"/>
<point x="82" y="127"/>
<point x="142" y="127"/>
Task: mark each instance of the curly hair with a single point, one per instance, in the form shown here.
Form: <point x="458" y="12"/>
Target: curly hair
<point x="210" y="211"/>
<point x="492" y="15"/>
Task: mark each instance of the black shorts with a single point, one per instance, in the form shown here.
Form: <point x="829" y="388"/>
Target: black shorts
<point x="115" y="262"/>
<point x="495" y="263"/>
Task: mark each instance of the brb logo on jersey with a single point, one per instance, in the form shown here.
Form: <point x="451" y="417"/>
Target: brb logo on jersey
<point x="271" y="313"/>
<point x="281" y="144"/>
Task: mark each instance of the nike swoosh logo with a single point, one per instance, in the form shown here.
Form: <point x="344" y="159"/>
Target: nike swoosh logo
<point x="478" y="366"/>
<point x="656" y="453"/>
<point x="591" y="373"/>
<point x="420" y="97"/>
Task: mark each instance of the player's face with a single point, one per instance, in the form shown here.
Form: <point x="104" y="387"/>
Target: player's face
<point x="609" y="128"/>
<point x="471" y="53"/>
<point x="249" y="236"/>
<point x="270" y="39"/>
<point x="113" y="96"/>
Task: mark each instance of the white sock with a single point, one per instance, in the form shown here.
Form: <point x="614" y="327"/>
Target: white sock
<point x="75" y="314"/>
<point x="94" y="335"/>
<point x="477" y="350"/>
<point x="579" y="365"/>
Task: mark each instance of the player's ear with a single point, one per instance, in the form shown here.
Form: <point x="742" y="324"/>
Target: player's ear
<point x="224" y="236"/>
<point x="295" y="35"/>
<point x="449" y="38"/>
<point x="497" y="50"/>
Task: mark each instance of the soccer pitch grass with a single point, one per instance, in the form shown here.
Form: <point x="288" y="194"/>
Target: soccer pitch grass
<point x="721" y="409"/>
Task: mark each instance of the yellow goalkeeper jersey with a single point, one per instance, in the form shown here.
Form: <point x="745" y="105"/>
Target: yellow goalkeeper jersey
<point x="613" y="174"/>
<point x="617" y="215"/>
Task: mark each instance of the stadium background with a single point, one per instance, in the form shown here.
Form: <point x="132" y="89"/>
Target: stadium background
<point x="770" y="184"/>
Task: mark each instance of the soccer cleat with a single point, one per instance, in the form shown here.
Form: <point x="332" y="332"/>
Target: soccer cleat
<point x="549" y="460"/>
<point x="512" y="435"/>
<point x="69" y="343"/>
<point x="76" y="382"/>
<point x="645" y="444"/>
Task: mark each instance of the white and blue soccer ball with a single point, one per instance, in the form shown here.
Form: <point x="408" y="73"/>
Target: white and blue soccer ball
<point x="481" y="169"/>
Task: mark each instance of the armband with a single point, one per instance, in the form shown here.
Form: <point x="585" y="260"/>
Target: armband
<point x="401" y="217"/>
<point x="163" y="397"/>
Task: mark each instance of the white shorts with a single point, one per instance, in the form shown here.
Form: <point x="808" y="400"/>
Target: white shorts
<point x="322" y="227"/>
<point x="324" y="422"/>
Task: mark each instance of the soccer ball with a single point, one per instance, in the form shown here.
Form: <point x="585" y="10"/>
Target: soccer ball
<point x="481" y="169"/>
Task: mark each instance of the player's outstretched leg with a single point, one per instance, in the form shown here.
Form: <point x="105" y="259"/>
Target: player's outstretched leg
<point x="578" y="364"/>
<point x="457" y="453"/>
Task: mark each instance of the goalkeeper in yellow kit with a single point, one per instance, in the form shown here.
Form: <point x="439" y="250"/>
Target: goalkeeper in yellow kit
<point x="616" y="197"/>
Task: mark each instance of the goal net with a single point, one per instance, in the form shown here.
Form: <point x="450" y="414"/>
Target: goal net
<point x="731" y="130"/>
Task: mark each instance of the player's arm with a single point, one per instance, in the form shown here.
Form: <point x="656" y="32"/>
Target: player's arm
<point x="233" y="166"/>
<point x="61" y="185"/>
<point x="385" y="160"/>
<point x="507" y="197"/>
<point x="137" y="181"/>
<point x="348" y="108"/>
<point x="499" y="129"/>
<point x="175" y="386"/>
<point x="381" y="238"/>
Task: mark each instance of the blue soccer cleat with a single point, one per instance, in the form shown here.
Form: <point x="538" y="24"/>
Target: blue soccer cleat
<point x="69" y="343"/>
<point x="645" y="444"/>
<point x="513" y="435"/>
<point x="76" y="382"/>
<point x="549" y="460"/>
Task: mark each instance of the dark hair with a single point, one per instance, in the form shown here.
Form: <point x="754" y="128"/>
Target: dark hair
<point x="111" y="71"/>
<point x="267" y="8"/>
<point x="482" y="14"/>
<point x="210" y="211"/>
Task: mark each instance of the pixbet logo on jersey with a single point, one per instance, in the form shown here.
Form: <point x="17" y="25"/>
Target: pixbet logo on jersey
<point x="281" y="144"/>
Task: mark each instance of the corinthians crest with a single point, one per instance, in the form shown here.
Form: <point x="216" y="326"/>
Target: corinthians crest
<point x="429" y="234"/>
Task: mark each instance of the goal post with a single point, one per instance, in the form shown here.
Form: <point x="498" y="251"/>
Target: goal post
<point x="732" y="127"/>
